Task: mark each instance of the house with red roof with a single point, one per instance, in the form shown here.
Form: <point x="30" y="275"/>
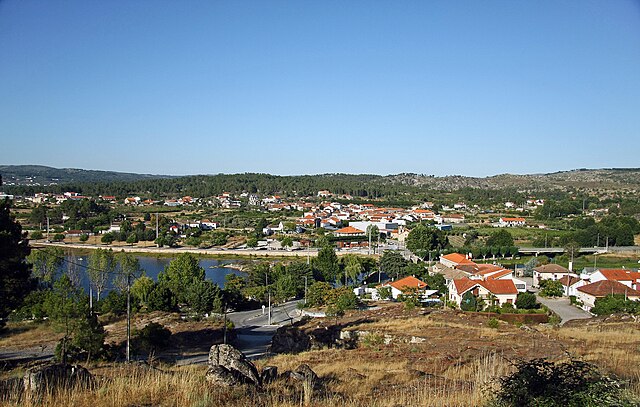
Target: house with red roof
<point x="550" y="272"/>
<point x="571" y="283"/>
<point x="349" y="231"/>
<point x="402" y="285"/>
<point x="588" y="294"/>
<point x="627" y="277"/>
<point x="455" y="259"/>
<point x="498" y="291"/>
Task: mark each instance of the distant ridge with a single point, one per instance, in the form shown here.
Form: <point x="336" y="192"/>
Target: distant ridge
<point x="40" y="175"/>
<point x="39" y="178"/>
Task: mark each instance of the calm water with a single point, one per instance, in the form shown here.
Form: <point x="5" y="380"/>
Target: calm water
<point x="215" y="269"/>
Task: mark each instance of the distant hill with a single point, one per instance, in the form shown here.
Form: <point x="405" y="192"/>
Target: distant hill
<point x="40" y="175"/>
<point x="595" y="182"/>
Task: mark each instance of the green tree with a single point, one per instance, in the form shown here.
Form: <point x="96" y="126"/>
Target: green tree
<point x="107" y="238"/>
<point x="65" y="306"/>
<point x="286" y="242"/>
<point x="500" y="238"/>
<point x="84" y="237"/>
<point x="132" y="238"/>
<point x="128" y="269"/>
<point x="616" y="303"/>
<point x="384" y="293"/>
<point x="102" y="265"/>
<point x="527" y="301"/>
<point x="325" y="265"/>
<point x="181" y="272"/>
<point x="252" y="242"/>
<point x="422" y="240"/>
<point x="393" y="263"/>
<point x="551" y="288"/>
<point x="141" y="288"/>
<point x="46" y="263"/>
<point x="318" y="293"/>
<point x="161" y="298"/>
<point x="201" y="295"/>
<point x="15" y="272"/>
<point x="36" y="235"/>
<point x="469" y="302"/>
<point x="352" y="267"/>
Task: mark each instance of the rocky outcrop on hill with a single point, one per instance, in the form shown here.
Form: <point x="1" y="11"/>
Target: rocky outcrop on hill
<point x="228" y="367"/>
<point x="291" y="339"/>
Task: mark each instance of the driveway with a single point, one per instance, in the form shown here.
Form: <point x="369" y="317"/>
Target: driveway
<point x="564" y="309"/>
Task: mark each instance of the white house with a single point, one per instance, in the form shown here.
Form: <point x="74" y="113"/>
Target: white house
<point x="511" y="222"/>
<point x="588" y="294"/>
<point x="571" y="284"/>
<point x="399" y="287"/>
<point x="627" y="277"/>
<point x="550" y="272"/>
<point x="503" y="291"/>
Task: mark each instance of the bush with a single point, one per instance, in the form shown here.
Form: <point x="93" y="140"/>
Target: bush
<point x="152" y="337"/>
<point x="571" y="383"/>
<point x="36" y="235"/>
<point x="114" y="303"/>
<point x="107" y="238"/>
<point x="493" y="323"/>
<point x="551" y="288"/>
<point x="84" y="237"/>
<point x="527" y="301"/>
<point x="58" y="237"/>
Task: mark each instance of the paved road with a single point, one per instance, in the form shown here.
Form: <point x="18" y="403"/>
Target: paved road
<point x="253" y="331"/>
<point x="564" y="309"/>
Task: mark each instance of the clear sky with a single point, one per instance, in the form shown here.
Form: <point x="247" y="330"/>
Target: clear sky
<point x="305" y="87"/>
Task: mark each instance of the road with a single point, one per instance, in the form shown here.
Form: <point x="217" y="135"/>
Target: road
<point x="253" y="331"/>
<point x="252" y="328"/>
<point x="564" y="309"/>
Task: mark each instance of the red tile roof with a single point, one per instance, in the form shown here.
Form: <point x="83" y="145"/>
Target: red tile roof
<point x="350" y="230"/>
<point x="620" y="274"/>
<point x="551" y="268"/>
<point x="603" y="288"/>
<point x="568" y="280"/>
<point x="512" y="219"/>
<point x="494" y="286"/>
<point x="408" y="282"/>
<point x="457" y="258"/>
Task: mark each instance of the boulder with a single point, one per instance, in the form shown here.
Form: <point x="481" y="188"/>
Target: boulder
<point x="290" y="340"/>
<point x="221" y="376"/>
<point x="269" y="374"/>
<point x="39" y="380"/>
<point x="235" y="362"/>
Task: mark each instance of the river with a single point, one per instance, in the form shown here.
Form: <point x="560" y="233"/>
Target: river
<point x="215" y="269"/>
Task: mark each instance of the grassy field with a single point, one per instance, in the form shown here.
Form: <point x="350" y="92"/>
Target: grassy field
<point x="458" y="363"/>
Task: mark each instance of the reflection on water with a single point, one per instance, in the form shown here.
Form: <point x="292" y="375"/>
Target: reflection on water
<point x="215" y="269"/>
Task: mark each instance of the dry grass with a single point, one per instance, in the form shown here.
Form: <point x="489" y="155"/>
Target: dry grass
<point x="28" y="334"/>
<point x="459" y="364"/>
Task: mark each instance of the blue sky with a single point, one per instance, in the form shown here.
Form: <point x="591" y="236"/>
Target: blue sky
<point x="305" y="87"/>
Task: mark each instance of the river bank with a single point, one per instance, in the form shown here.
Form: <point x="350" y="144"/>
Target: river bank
<point x="173" y="251"/>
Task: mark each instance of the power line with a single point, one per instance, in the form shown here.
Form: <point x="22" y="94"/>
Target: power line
<point x="79" y="264"/>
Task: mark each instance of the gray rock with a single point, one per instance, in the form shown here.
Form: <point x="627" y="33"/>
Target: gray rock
<point x="221" y="376"/>
<point x="53" y="377"/>
<point x="269" y="374"/>
<point x="235" y="362"/>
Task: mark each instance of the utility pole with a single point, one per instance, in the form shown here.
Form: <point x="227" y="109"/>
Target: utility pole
<point x="128" y="317"/>
<point x="305" y="290"/>
<point x="48" y="239"/>
<point x="266" y="280"/>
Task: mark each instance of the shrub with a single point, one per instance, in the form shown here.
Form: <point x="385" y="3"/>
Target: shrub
<point x="37" y="234"/>
<point x="152" y="337"/>
<point x="107" y="238"/>
<point x="58" y="237"/>
<point x="551" y="288"/>
<point x="493" y="323"/>
<point x="84" y="237"/>
<point x="570" y="383"/>
<point x="526" y="301"/>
